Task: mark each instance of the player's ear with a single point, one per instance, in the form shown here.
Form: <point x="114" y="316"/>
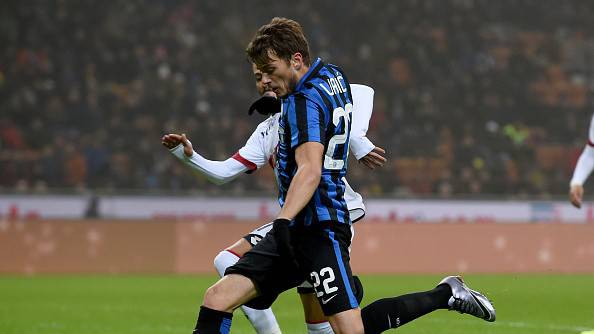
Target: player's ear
<point x="297" y="61"/>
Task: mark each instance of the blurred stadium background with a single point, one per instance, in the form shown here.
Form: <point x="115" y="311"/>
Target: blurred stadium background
<point x="483" y="108"/>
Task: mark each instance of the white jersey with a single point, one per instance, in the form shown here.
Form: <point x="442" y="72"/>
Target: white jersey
<point x="259" y="149"/>
<point x="585" y="163"/>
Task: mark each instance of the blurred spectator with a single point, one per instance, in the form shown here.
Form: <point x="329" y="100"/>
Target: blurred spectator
<point x="473" y="97"/>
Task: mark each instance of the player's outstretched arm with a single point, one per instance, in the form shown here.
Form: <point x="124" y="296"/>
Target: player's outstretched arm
<point x="218" y="172"/>
<point x="584" y="167"/>
<point x="364" y="150"/>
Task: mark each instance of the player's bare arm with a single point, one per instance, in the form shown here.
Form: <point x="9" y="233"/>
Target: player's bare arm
<point x="308" y="157"/>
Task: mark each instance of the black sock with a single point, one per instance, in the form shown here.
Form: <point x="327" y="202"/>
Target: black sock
<point x="387" y="313"/>
<point x="212" y="321"/>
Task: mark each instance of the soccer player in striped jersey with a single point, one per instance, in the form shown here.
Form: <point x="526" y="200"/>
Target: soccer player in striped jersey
<point x="258" y="152"/>
<point x="583" y="168"/>
<point x="311" y="236"/>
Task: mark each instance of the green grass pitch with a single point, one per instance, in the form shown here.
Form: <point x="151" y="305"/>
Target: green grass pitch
<point x="530" y="304"/>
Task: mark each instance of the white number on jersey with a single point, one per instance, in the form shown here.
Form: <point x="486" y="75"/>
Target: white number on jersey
<point x="338" y="139"/>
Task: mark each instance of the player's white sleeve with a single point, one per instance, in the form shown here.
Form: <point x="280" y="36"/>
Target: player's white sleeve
<point x="585" y="163"/>
<point x="360" y="145"/>
<point x="218" y="172"/>
<point x="354" y="202"/>
<point x="259" y="147"/>
<point x="253" y="155"/>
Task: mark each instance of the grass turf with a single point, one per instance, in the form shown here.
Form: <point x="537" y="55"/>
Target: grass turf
<point x="530" y="304"/>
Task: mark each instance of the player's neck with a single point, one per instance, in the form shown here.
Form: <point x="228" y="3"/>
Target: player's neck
<point x="301" y="73"/>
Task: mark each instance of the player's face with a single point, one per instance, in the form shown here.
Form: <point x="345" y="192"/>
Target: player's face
<point x="262" y="82"/>
<point x="283" y="76"/>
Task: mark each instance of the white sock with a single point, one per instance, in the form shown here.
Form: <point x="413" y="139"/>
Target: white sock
<point x="320" y="328"/>
<point x="263" y="321"/>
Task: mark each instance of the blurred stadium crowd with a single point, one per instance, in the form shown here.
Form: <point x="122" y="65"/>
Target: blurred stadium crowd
<point x="472" y="96"/>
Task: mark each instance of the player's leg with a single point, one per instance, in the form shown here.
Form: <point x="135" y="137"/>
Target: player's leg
<point x="261" y="269"/>
<point x="263" y="321"/>
<point x="315" y="320"/>
<point x="347" y="322"/>
<point x="334" y="286"/>
<point x="387" y="313"/>
<point x="325" y="249"/>
<point x="219" y="302"/>
<point x="451" y="293"/>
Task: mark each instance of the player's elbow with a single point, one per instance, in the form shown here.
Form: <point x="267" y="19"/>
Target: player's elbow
<point x="222" y="178"/>
<point x="219" y="181"/>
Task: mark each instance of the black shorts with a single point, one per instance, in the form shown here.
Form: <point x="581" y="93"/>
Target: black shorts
<point x="322" y="252"/>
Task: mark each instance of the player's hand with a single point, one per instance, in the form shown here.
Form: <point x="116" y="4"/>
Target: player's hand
<point x="375" y="158"/>
<point x="266" y="105"/>
<point x="282" y="237"/>
<point x="576" y="192"/>
<point x="172" y="140"/>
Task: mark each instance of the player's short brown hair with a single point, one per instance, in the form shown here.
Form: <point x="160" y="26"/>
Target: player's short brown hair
<point x="283" y="37"/>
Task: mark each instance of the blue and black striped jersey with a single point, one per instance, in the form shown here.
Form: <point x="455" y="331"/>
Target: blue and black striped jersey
<point x="318" y="110"/>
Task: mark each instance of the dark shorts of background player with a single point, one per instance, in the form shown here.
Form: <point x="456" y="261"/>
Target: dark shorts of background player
<point x="322" y="253"/>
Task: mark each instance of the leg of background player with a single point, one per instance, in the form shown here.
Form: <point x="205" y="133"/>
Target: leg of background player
<point x="263" y="321"/>
<point x="316" y="321"/>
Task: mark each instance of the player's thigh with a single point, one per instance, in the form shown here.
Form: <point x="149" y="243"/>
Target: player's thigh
<point x="347" y="322"/>
<point x="324" y="253"/>
<point x="229" y="292"/>
<point x="270" y="273"/>
<point x="240" y="247"/>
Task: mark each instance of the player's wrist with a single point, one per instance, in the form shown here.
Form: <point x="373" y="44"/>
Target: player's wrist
<point x="281" y="223"/>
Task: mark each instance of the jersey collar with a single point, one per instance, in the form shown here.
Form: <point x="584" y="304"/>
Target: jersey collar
<point x="313" y="69"/>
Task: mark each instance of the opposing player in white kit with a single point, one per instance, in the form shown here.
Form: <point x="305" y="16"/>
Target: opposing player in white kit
<point x="584" y="167"/>
<point x="257" y="152"/>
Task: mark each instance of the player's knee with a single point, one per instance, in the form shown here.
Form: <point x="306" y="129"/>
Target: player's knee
<point x="348" y="322"/>
<point x="213" y="298"/>
<point x="355" y="328"/>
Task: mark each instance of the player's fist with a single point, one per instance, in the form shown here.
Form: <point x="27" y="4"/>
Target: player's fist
<point x="375" y="158"/>
<point x="576" y="192"/>
<point x="282" y="237"/>
<point x="172" y="140"/>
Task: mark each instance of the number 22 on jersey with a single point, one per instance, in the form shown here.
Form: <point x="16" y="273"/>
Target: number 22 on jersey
<point x="338" y="139"/>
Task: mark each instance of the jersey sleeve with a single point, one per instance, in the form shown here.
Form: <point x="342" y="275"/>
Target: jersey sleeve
<point x="360" y="145"/>
<point x="591" y="133"/>
<point x="254" y="153"/>
<point x="218" y="172"/>
<point x="585" y="163"/>
<point x="306" y="121"/>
